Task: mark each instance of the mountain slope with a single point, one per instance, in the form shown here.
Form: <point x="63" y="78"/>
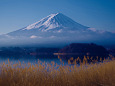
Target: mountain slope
<point x="54" y="22"/>
<point x="56" y="30"/>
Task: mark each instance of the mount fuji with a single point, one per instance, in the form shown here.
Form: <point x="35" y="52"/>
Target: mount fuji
<point x="52" y="23"/>
<point x="57" y="29"/>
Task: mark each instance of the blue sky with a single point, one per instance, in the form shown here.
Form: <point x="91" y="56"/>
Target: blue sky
<point x="16" y="14"/>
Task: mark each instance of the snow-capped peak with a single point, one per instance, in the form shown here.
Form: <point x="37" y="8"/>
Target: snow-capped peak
<point x="45" y="21"/>
<point x="57" y="28"/>
<point x="53" y="21"/>
<point x="56" y="23"/>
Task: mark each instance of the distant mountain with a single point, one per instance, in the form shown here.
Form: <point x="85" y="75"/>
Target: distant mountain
<point x="56" y="30"/>
<point x="52" y="23"/>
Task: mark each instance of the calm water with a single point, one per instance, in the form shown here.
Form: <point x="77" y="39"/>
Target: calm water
<point x="32" y="59"/>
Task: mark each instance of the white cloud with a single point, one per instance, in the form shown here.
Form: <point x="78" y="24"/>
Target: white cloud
<point x="33" y="36"/>
<point x="60" y="30"/>
<point x="93" y="29"/>
<point x="52" y="36"/>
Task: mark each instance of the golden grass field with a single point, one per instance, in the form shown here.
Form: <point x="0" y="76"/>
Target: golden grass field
<point x="98" y="74"/>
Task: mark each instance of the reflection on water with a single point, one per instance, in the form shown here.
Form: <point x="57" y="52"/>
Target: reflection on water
<point x="31" y="59"/>
<point x="59" y="59"/>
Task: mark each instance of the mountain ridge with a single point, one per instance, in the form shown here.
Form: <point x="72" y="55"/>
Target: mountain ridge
<point x="54" y="22"/>
<point x="57" y="29"/>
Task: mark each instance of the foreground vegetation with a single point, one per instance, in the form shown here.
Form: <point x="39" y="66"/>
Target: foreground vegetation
<point x="43" y="74"/>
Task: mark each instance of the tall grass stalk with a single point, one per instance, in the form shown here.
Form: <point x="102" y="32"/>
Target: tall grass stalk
<point x="98" y="74"/>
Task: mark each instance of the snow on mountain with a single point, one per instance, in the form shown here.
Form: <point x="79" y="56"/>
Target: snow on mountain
<point x="52" y="23"/>
<point x="46" y="22"/>
<point x="57" y="29"/>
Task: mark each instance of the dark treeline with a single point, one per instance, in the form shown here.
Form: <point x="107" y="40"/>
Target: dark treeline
<point x="6" y="51"/>
<point x="72" y="50"/>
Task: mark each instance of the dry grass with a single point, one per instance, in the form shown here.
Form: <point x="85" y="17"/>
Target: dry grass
<point x="101" y="74"/>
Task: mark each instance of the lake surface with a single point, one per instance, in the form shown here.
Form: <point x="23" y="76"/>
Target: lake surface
<point x="43" y="58"/>
<point x="32" y="59"/>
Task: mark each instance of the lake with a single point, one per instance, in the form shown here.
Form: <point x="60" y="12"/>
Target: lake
<point x="32" y="59"/>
